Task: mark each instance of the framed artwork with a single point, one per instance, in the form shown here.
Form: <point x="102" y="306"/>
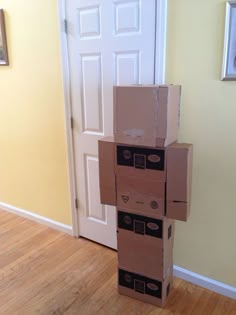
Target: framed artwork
<point x="3" y="41"/>
<point x="229" y="54"/>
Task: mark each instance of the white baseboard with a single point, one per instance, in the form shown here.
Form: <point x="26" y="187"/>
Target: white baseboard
<point x="37" y="218"/>
<point x="205" y="282"/>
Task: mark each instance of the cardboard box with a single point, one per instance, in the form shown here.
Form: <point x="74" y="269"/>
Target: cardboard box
<point x="141" y="195"/>
<point x="107" y="181"/>
<point x="140" y="287"/>
<point x="178" y="210"/>
<point x="145" y="244"/>
<point x="141" y="174"/>
<point x="141" y="162"/>
<point x="179" y="179"/>
<point x="146" y="114"/>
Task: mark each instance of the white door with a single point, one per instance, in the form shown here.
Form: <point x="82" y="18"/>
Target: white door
<point x="110" y="42"/>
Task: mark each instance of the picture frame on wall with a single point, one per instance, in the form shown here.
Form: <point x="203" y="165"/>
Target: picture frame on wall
<point x="3" y="41"/>
<point x="229" y="53"/>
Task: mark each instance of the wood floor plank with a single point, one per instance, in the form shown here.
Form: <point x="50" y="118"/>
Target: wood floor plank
<point x="35" y="275"/>
<point x="43" y="272"/>
<point x="224" y="307"/>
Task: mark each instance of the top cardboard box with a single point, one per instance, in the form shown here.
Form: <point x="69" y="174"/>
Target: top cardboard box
<point x="146" y="115"/>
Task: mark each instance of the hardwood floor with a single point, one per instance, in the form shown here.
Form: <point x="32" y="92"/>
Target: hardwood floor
<point x="43" y="271"/>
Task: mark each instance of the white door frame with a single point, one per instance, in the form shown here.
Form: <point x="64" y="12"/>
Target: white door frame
<point x="160" y="60"/>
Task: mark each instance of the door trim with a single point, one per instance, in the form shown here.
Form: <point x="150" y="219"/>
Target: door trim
<point x="161" y="35"/>
<point x="68" y="115"/>
<point x="160" y="57"/>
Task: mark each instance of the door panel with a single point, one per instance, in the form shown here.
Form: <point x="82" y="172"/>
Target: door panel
<point x="110" y="43"/>
<point x="91" y="94"/>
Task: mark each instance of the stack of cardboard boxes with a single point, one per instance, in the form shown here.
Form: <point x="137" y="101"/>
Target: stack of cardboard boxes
<point x="147" y="175"/>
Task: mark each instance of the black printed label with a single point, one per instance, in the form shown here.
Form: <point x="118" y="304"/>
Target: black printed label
<point x="125" y="198"/>
<point x="139" y="227"/>
<point x="140" y="224"/>
<point x="140" y="283"/>
<point x="169" y="231"/>
<point x="139" y="286"/>
<point x="141" y="158"/>
<point x="168" y="290"/>
<point x="140" y="161"/>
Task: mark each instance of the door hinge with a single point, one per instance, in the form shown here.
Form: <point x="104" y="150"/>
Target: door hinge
<point x="65" y="26"/>
<point x="72" y="123"/>
<point x="76" y="203"/>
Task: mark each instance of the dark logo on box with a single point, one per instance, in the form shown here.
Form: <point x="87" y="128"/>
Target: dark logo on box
<point x="168" y="290"/>
<point x="140" y="283"/>
<point x="127" y="154"/>
<point x="139" y="227"/>
<point x="154" y="158"/>
<point x="127" y="219"/>
<point x="140" y="224"/>
<point x="128" y="278"/>
<point x="152" y="226"/>
<point x="152" y="286"/>
<point x="140" y="161"/>
<point x="142" y="158"/>
<point x="169" y="231"/>
<point x="125" y="198"/>
<point x="154" y="204"/>
<point x="139" y="286"/>
<point x="139" y="202"/>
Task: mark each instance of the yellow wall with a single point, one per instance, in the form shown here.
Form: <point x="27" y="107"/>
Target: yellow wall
<point x="33" y="165"/>
<point x="206" y="244"/>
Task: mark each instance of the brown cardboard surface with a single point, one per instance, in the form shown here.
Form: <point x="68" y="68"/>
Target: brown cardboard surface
<point x="178" y="210"/>
<point x="106" y="151"/>
<point x="179" y="172"/>
<point x="146" y="114"/>
<point x="142" y="195"/>
<point x="145" y="253"/>
<point x="141" y="254"/>
<point x="179" y="178"/>
<point x="141" y="162"/>
<point x="144" y="289"/>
